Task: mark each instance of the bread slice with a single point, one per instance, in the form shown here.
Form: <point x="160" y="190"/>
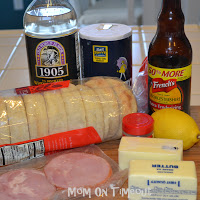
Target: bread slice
<point x="93" y="109"/>
<point x="74" y="107"/>
<point x="125" y="96"/>
<point x="17" y="119"/>
<point x="4" y="128"/>
<point x="109" y="104"/>
<point x="126" y="99"/>
<point x="36" y="115"/>
<point x="56" y="113"/>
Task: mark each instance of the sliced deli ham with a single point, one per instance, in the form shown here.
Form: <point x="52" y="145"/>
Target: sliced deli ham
<point x="25" y="184"/>
<point x="77" y="170"/>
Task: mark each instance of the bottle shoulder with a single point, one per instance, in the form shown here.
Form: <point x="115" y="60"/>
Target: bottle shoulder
<point x="170" y="51"/>
<point x="170" y="45"/>
<point x="170" y="40"/>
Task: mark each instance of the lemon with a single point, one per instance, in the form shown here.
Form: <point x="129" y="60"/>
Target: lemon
<point x="174" y="124"/>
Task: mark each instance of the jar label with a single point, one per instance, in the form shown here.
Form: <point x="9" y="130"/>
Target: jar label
<point x="100" y="54"/>
<point x="52" y="60"/>
<point x="107" y="58"/>
<point x="166" y="87"/>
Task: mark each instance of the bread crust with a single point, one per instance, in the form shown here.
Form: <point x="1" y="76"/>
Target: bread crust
<point x="56" y="112"/>
<point x="36" y="115"/>
<point x="74" y="107"/>
<point x="126" y="100"/>
<point x="93" y="109"/>
<point x="17" y="119"/>
<point x="109" y="104"/>
<point x="4" y="128"/>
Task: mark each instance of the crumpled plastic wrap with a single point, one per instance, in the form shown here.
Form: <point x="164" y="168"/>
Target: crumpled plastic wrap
<point x="140" y="88"/>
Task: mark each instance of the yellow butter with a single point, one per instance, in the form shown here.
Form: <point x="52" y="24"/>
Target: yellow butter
<point x="162" y="180"/>
<point x="135" y="148"/>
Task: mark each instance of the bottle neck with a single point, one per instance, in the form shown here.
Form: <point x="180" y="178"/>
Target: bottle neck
<point x="171" y="4"/>
<point x="171" y="18"/>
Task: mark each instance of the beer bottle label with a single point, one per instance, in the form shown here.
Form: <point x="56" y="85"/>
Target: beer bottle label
<point x="169" y="88"/>
<point x="52" y="60"/>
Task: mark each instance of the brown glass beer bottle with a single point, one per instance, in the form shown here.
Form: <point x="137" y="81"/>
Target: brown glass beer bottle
<point x="170" y="58"/>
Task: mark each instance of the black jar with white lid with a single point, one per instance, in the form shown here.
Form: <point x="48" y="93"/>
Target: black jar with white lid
<point x="106" y="50"/>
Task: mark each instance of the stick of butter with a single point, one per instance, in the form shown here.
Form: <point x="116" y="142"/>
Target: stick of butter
<point x="162" y="180"/>
<point x="136" y="148"/>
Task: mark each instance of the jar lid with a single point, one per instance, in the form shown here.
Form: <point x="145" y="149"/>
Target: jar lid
<point x="105" y="32"/>
<point x="138" y="124"/>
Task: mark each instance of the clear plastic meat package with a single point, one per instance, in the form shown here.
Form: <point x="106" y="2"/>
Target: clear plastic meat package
<point x="81" y="173"/>
<point x="38" y="119"/>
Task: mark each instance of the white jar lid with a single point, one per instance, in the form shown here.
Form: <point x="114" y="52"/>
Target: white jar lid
<point x="105" y="32"/>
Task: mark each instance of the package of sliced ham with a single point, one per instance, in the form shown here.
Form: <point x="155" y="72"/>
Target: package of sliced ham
<point x="39" y="119"/>
<point x="84" y="172"/>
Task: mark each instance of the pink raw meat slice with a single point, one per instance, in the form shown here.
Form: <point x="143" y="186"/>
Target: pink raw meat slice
<point x="78" y="170"/>
<point x="25" y="184"/>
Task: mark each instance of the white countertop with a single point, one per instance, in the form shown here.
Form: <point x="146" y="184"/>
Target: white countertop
<point x="14" y="67"/>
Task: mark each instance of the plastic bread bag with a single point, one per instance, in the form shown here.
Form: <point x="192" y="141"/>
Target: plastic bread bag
<point x="84" y="172"/>
<point x="140" y="88"/>
<point x="39" y="119"/>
